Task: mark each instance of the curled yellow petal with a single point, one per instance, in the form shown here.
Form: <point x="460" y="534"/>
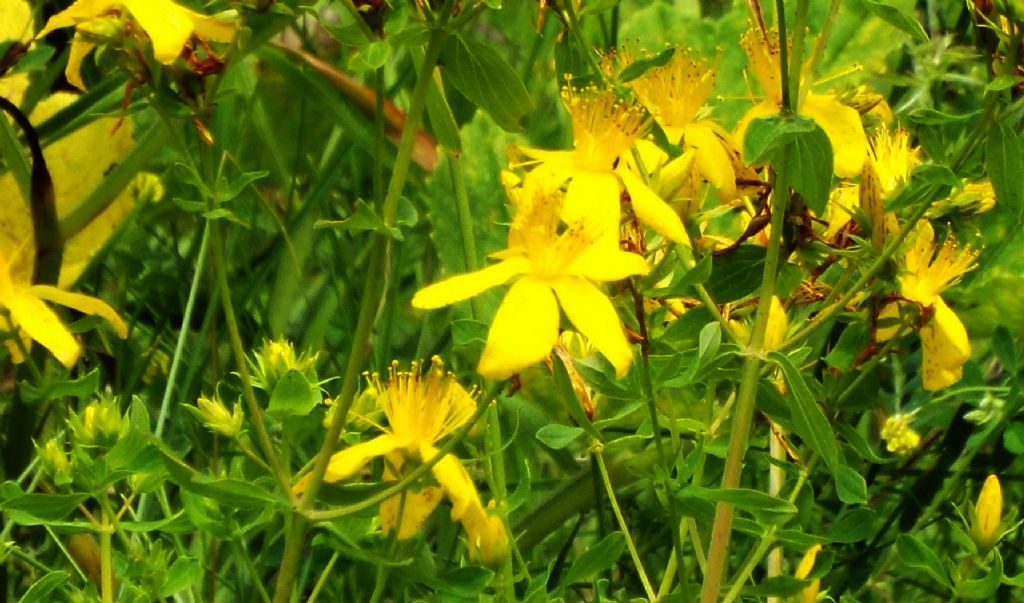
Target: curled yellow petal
<point x="85" y="304"/>
<point x="652" y="210"/>
<point x="524" y="330"/>
<point x="945" y="348"/>
<point x="414" y="506"/>
<point x="713" y="161"/>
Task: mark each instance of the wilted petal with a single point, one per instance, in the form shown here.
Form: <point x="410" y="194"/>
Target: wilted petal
<point x="524" y="330"/>
<point x="652" y="210"/>
<point x="83" y="10"/>
<point x="592" y="313"/>
<point x="844" y="129"/>
<point x="83" y="303"/>
<point x="464" y="286"/>
<point x="80" y="46"/>
<point x="455" y="481"/>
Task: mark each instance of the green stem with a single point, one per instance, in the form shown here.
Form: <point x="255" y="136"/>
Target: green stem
<point x="279" y="472"/>
<point x="499" y="487"/>
<point x="787" y="100"/>
<point x="319" y="586"/>
<point x="106" y="560"/>
<point x="766" y="542"/>
<point x="465" y="227"/>
<point x="796" y="60"/>
<point x="610" y="489"/>
<point x="819" y="43"/>
<point x="744" y="411"/>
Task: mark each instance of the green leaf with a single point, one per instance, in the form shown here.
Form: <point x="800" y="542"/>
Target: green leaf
<point x="765" y="508"/>
<point x="365" y="217"/>
<point x="466" y="582"/>
<point x="850" y="486"/>
<point x="182" y="574"/>
<point x="983" y="589"/>
<point x="796" y="146"/>
<point x="710" y="339"/>
<point x="918" y="556"/>
<point x="40" y="591"/>
<point x="1004" y="162"/>
<point x="898" y="19"/>
<point x="1013" y="438"/>
<point x="293" y="395"/>
<point x="928" y="182"/>
<point x="483" y="76"/>
<point x="809" y="421"/>
<point x="853" y="340"/>
<point x="853" y="526"/>
<point x="557" y="437"/>
<point x="737" y="274"/>
<point x="83" y="387"/>
<point x="776" y="586"/>
<point x="645" y="64"/>
<point x="36" y="509"/>
<point x="595" y="559"/>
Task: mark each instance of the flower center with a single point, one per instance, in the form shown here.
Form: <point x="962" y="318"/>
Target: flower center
<point x="603" y="126"/>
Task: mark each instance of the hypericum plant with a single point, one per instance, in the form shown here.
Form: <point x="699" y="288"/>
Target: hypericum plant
<point x="725" y="295"/>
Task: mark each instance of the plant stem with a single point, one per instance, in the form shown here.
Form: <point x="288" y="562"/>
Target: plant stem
<point x="610" y="489"/>
<point x="106" y="560"/>
<point x="744" y="411"/>
<point x="279" y="472"/>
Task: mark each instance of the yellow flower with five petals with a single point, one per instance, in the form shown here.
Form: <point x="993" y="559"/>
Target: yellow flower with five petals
<point x="168" y="25"/>
<point x="421" y="408"/>
<point x="553" y="265"/>
<point x="604" y="128"/>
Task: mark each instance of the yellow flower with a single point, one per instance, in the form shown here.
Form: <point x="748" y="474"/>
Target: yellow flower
<point x="421" y="408"/>
<point x="886" y="170"/>
<point x="988" y="515"/>
<point x="27" y="317"/>
<point x="899" y="437"/>
<point x="841" y="123"/>
<point x="810" y="592"/>
<point x="552" y="266"/>
<point x="604" y="128"/>
<point x="926" y="273"/>
<point x="675" y="93"/>
<point x="168" y="25"/>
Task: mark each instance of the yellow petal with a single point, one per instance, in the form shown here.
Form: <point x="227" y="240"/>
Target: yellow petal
<point x="524" y="330"/>
<point x="82" y="10"/>
<point x="455" y="481"/>
<point x="464" y="286"/>
<point x="594" y="197"/>
<point x="413" y="505"/>
<point x="604" y="263"/>
<point x="83" y="303"/>
<point x="592" y="313"/>
<point x="32" y="316"/>
<point x="80" y="47"/>
<point x="810" y="593"/>
<point x="778" y="324"/>
<point x="945" y="348"/>
<point x="168" y="26"/>
<point x="713" y="161"/>
<point x="346" y="462"/>
<point x="652" y="210"/>
<point x="844" y="129"/>
<point x="889" y="321"/>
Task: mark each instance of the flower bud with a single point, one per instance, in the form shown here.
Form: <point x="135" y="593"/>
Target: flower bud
<point x="55" y="461"/>
<point x="274" y="359"/>
<point x="98" y="425"/>
<point x="988" y="513"/>
<point x="216" y="416"/>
